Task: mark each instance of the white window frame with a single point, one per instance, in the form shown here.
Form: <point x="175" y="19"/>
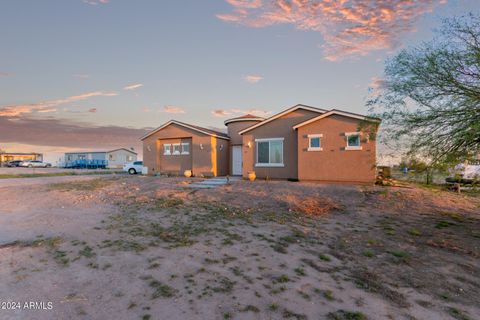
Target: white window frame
<point x="310" y="136"/>
<point x="353" y="148"/>
<point x="268" y="164"/>
<point x="185" y="144"/>
<point x="179" y="148"/>
<point x="167" y="149"/>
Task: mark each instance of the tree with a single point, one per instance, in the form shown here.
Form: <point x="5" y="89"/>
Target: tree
<point x="429" y="99"/>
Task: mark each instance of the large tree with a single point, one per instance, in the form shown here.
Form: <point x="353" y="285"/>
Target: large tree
<point x="430" y="95"/>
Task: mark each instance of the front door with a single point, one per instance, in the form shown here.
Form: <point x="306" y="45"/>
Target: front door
<point x="237" y="160"/>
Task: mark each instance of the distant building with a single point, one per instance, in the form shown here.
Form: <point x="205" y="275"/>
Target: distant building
<point x="11" y="156"/>
<point x="107" y="159"/>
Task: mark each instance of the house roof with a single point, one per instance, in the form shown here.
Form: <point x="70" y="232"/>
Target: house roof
<point x="102" y="151"/>
<point x="278" y="115"/>
<point x="206" y="131"/>
<point x="338" y="112"/>
<point x="247" y="117"/>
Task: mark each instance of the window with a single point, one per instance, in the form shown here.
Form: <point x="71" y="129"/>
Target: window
<point x="138" y="163"/>
<point x="269" y="152"/>
<point x="176" y="148"/>
<point x="314" y="142"/>
<point x="129" y="158"/>
<point x="186" y="148"/>
<point x="167" y="149"/>
<point x="353" y="141"/>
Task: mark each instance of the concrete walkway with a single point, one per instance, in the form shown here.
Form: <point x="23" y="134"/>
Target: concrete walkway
<point x="213" y="182"/>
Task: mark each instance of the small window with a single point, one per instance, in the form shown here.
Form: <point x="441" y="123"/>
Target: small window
<point x="167" y="149"/>
<point x="138" y="163"/>
<point x="186" y="148"/>
<point x="353" y="141"/>
<point x="129" y="158"/>
<point x="314" y="142"/>
<point x="176" y="148"/>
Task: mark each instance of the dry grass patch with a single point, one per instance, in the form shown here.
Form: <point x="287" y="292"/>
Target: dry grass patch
<point x="314" y="206"/>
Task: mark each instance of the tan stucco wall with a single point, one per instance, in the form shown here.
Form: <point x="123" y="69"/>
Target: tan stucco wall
<point x="278" y="128"/>
<point x="202" y="161"/>
<point x="235" y="138"/>
<point x="174" y="163"/>
<point x="335" y="163"/>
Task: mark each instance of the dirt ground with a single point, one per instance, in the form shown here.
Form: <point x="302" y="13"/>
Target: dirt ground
<point x="134" y="247"/>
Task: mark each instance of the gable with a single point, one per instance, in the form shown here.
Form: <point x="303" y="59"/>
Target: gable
<point x="286" y="114"/>
<point x="180" y="128"/>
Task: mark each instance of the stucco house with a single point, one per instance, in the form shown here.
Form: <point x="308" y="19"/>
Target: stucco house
<point x="301" y="142"/>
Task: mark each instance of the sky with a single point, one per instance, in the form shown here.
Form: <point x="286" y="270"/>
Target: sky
<point x="98" y="74"/>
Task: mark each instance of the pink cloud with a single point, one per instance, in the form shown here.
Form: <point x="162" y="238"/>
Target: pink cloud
<point x="133" y="86"/>
<point x="221" y="113"/>
<point x="173" y="109"/>
<point x="5" y="74"/>
<point x="48" y="106"/>
<point x="252" y="78"/>
<point x="92" y="110"/>
<point x="348" y="27"/>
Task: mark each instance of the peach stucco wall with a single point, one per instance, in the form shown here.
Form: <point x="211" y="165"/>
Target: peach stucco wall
<point x="278" y="128"/>
<point x="334" y="163"/>
<point x="205" y="154"/>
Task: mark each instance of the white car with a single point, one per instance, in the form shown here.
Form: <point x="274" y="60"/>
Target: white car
<point x="133" y="167"/>
<point x="34" y="164"/>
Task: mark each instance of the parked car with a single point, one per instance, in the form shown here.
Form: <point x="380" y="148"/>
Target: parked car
<point x="133" y="167"/>
<point x="34" y="164"/>
<point x="14" y="163"/>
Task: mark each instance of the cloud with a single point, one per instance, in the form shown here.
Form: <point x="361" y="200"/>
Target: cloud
<point x="133" y="86"/>
<point x="348" y="27"/>
<point x="95" y="2"/>
<point x="5" y="74"/>
<point x="376" y="85"/>
<point x="221" y="113"/>
<point x="92" y="110"/>
<point x="65" y="133"/>
<point x="252" y="78"/>
<point x="173" y="109"/>
<point x="48" y="106"/>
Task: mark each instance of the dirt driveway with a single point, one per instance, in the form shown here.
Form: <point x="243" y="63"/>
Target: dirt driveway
<point x="149" y="248"/>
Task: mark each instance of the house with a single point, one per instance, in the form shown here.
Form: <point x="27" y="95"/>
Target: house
<point x="301" y="142"/>
<point x="107" y="159"/>
<point x="176" y="146"/>
<point x="11" y="156"/>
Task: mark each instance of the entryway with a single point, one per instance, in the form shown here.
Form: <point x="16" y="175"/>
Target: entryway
<point x="237" y="160"/>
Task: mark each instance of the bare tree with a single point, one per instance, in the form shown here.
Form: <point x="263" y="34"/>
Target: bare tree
<point x="430" y="95"/>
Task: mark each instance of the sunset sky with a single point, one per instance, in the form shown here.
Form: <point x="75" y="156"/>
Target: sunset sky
<point x="95" y="74"/>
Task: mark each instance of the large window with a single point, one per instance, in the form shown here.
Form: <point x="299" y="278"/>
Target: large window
<point x="269" y="152"/>
<point x="314" y="142"/>
<point x="167" y="149"/>
<point x="176" y="148"/>
<point x="185" y="148"/>
<point x="353" y="141"/>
